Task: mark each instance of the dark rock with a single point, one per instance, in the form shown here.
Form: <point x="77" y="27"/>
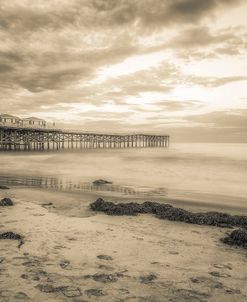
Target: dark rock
<point x="167" y="211"/>
<point x="5" y="202"/>
<point x="148" y="278"/>
<point x="12" y="236"/>
<point x="3" y="187"/>
<point x="99" y="182"/>
<point x="236" y="237"/>
<point x="104" y="257"/>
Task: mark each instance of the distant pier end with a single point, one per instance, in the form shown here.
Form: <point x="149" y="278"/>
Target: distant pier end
<point x="21" y="138"/>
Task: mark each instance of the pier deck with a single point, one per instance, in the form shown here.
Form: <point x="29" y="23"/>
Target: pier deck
<point x="41" y="139"/>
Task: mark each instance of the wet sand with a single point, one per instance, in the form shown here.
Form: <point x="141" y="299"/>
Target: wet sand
<point x="73" y="254"/>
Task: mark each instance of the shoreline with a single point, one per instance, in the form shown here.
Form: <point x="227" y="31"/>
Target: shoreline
<point x="195" y="201"/>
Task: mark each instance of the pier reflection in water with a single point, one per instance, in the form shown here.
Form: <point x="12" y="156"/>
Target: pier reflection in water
<point x="60" y="184"/>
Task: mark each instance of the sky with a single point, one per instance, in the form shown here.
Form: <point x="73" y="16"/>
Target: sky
<point x="175" y="67"/>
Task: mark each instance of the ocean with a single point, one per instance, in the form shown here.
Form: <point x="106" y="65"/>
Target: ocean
<point x="214" y="173"/>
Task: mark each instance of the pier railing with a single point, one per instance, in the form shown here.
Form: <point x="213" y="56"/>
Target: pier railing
<point x="39" y="139"/>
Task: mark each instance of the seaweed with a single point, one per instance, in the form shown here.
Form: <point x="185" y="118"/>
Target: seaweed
<point x="237" y="237"/>
<point x="168" y="212"/>
<point x="12" y="236"/>
<point x="6" y="202"/>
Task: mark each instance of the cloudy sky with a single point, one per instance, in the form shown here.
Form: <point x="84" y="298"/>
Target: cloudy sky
<point x="162" y="66"/>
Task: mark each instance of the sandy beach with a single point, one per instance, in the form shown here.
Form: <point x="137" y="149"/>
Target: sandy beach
<point x="73" y="254"/>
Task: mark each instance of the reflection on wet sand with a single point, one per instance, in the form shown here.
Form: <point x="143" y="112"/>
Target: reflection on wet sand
<point x="61" y="184"/>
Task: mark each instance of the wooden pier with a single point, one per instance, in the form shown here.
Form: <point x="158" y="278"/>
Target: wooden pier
<point x="41" y="139"/>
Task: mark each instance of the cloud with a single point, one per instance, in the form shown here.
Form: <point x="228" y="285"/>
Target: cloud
<point x="223" y="119"/>
<point x="216" y="82"/>
<point x="28" y="15"/>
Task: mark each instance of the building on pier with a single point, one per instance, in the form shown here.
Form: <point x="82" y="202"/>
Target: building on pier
<point x="33" y="122"/>
<point x="15" y="121"/>
<point x="9" y="120"/>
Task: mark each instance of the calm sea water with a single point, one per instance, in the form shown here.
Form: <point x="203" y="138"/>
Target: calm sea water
<point x="182" y="170"/>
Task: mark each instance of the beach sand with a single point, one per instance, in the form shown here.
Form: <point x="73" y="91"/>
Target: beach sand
<point x="73" y="254"/>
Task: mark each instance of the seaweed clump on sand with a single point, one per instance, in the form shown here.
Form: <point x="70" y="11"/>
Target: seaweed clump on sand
<point x="131" y="208"/>
<point x="168" y="212"/>
<point x="236" y="237"/>
<point x="6" y="202"/>
<point x="2" y="187"/>
<point x="12" y="236"/>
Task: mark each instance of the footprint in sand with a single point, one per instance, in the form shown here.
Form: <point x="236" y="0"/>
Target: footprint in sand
<point x="97" y="292"/>
<point x="173" y="253"/>
<point x="7" y="296"/>
<point x="31" y="263"/>
<point x="148" y="278"/>
<point x="105" y="278"/>
<point x="219" y="274"/>
<point x="67" y="291"/>
<point x="21" y="296"/>
<point x="105" y="257"/>
<point x="59" y="247"/>
<point x="220" y="266"/>
<point x="105" y="267"/>
<point x="207" y="282"/>
<point x="232" y="291"/>
<point x="181" y="294"/>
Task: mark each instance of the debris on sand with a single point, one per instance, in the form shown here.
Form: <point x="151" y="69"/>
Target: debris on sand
<point x="3" y="187"/>
<point x="6" y="202"/>
<point x="65" y="265"/>
<point x="237" y="237"/>
<point x="99" y="182"/>
<point x="167" y="211"/>
<point x="12" y="236"/>
<point x="148" y="278"/>
<point x="104" y="257"/>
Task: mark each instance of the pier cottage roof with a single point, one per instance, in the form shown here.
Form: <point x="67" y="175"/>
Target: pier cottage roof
<point x="5" y="115"/>
<point x="32" y="118"/>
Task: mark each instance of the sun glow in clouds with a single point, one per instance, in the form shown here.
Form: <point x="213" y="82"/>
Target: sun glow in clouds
<point x="130" y="65"/>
